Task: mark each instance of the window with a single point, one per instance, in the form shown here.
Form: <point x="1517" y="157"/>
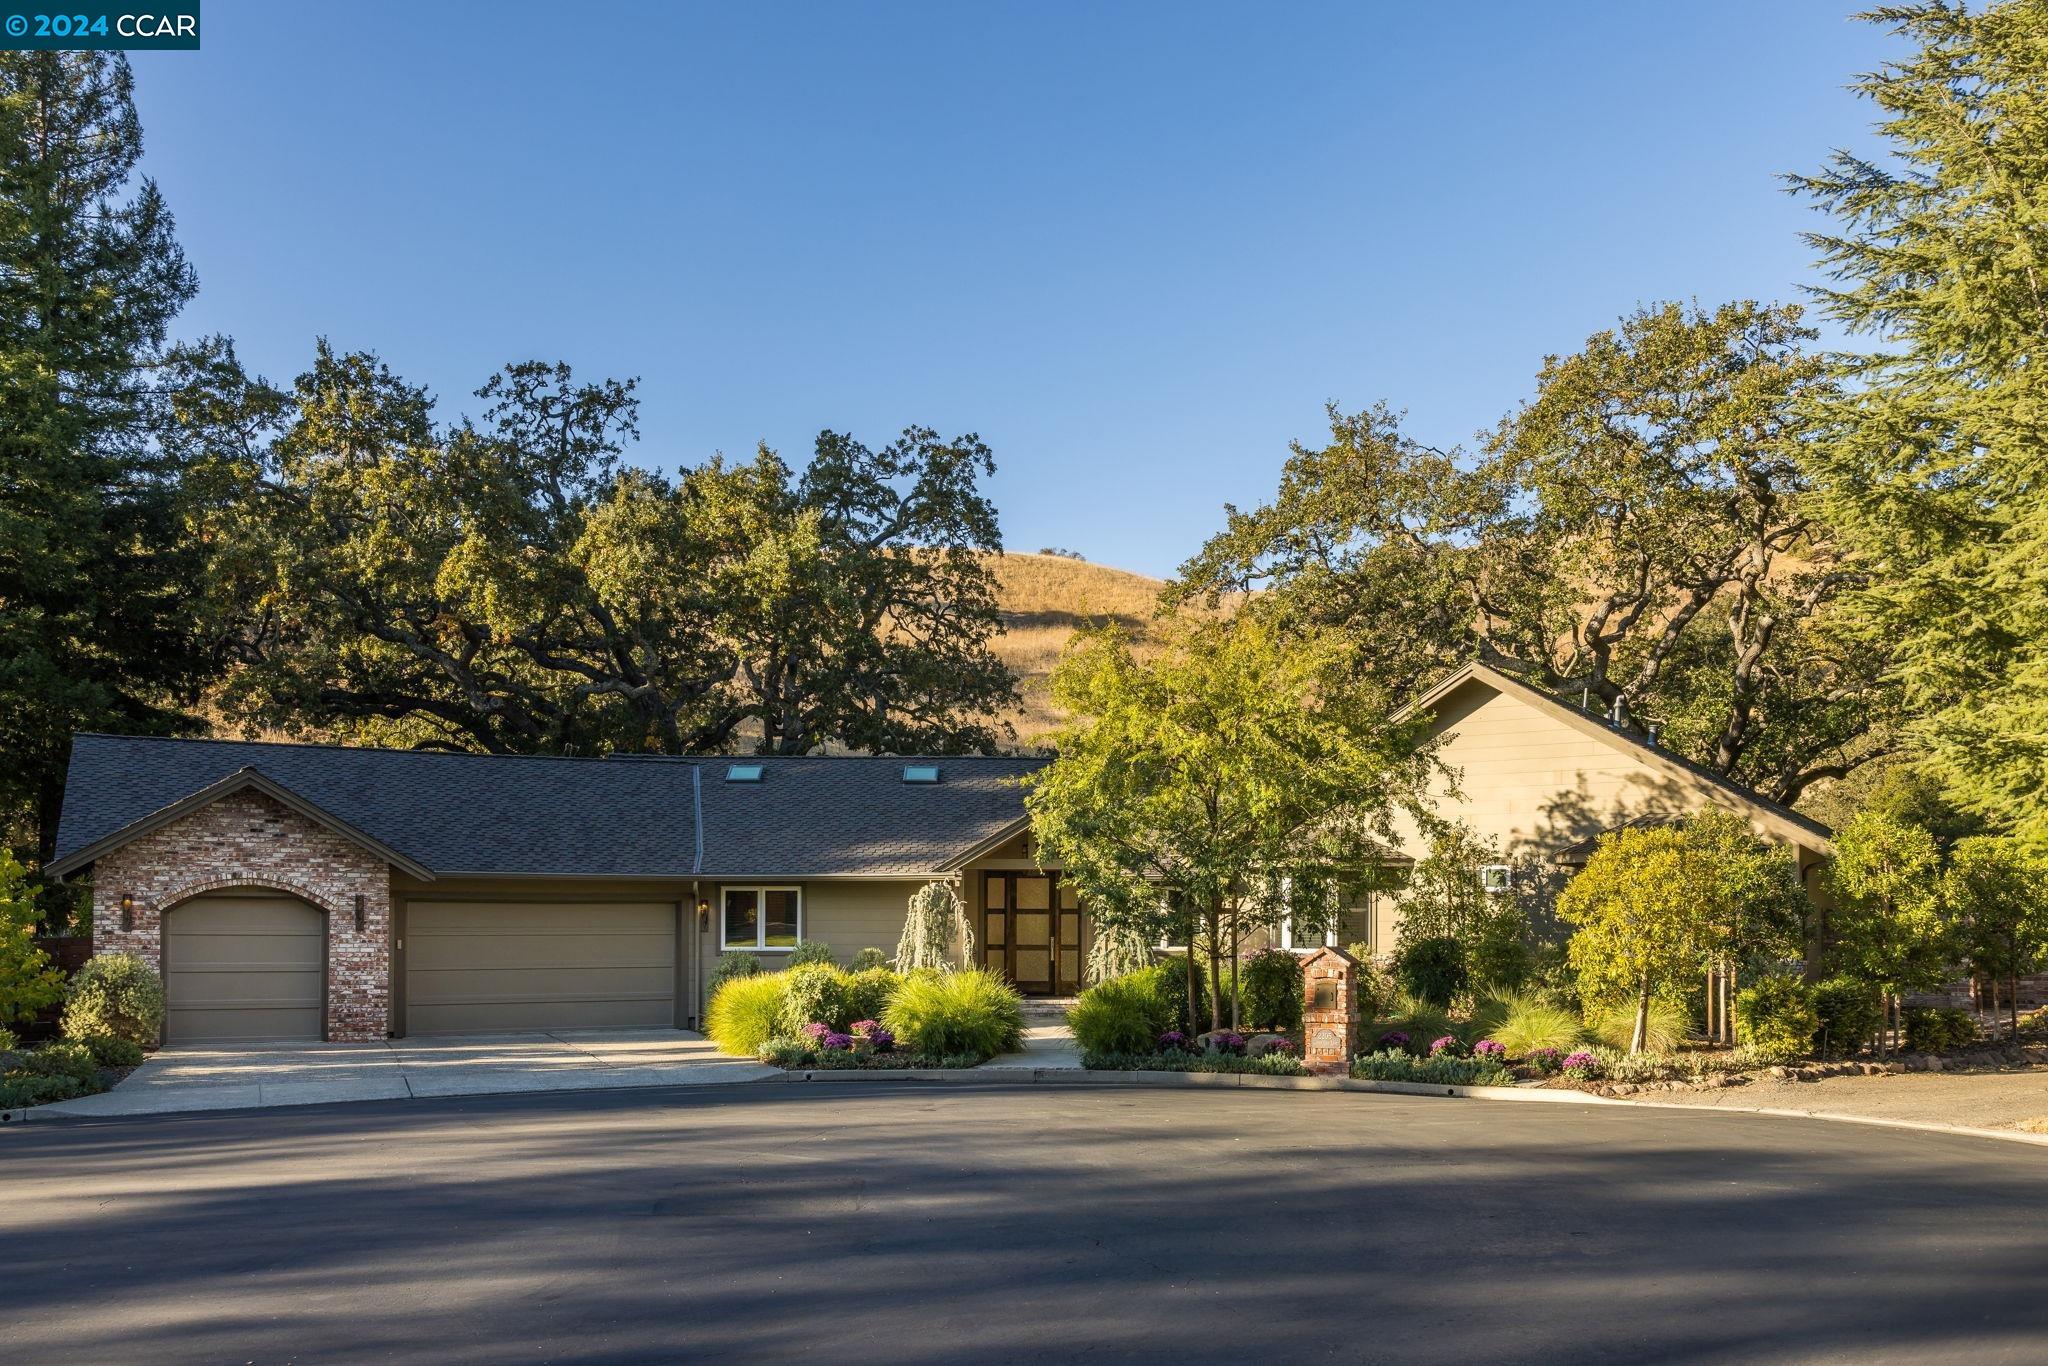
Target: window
<point x="920" y="773"/>
<point x="1497" y="877"/>
<point x="762" y="918"/>
<point x="743" y="773"/>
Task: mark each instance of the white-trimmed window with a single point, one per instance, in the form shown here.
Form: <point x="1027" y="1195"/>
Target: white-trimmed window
<point x="761" y="917"/>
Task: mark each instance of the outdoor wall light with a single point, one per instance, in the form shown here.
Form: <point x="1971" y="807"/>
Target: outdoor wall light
<point x="703" y="914"/>
<point x="127" y="910"/>
<point x="359" y="912"/>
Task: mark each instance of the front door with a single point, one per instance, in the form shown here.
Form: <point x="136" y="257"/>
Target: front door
<point x="1031" y="932"/>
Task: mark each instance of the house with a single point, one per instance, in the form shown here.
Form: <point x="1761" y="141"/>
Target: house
<point x="321" y="892"/>
<point x="317" y="892"/>
<point x="1543" y="780"/>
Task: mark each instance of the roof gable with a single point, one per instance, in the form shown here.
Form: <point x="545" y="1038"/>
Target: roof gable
<point x="1456" y="694"/>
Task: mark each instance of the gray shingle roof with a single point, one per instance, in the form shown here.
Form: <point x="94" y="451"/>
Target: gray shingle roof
<point x="856" y="815"/>
<point x="466" y="813"/>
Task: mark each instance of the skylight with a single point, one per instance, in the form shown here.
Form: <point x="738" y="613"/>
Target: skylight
<point x="920" y="773"/>
<point x="743" y="773"/>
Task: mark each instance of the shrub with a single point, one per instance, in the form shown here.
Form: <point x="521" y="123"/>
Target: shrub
<point x="1174" y="972"/>
<point x="8" y="1041"/>
<point x="742" y="1016"/>
<point x="1266" y="1065"/>
<point x="20" y="1088"/>
<point x="782" y="1052"/>
<point x="1582" y="1065"/>
<point x="109" y="1051"/>
<point x="1173" y="1041"/>
<point x="1937" y="1031"/>
<point x="1227" y="1043"/>
<point x="869" y="959"/>
<point x="1528" y="1023"/>
<point x="1124" y="1014"/>
<point x="1544" y="1060"/>
<point x="731" y="965"/>
<point x="815" y="993"/>
<point x="1775" y="1017"/>
<point x="869" y="991"/>
<point x="809" y="951"/>
<point x="117" y="994"/>
<point x="1270" y="991"/>
<point x="1396" y="1039"/>
<point x="1449" y="1046"/>
<point x="61" y="1059"/>
<point x="28" y="979"/>
<point x="1614" y="1024"/>
<point x="1432" y="970"/>
<point x="935" y="921"/>
<point x="1413" y="1018"/>
<point x="1490" y="1051"/>
<point x="971" y="1012"/>
<point x="874" y="1035"/>
<point x="1849" y="1014"/>
<point x="1441" y="1069"/>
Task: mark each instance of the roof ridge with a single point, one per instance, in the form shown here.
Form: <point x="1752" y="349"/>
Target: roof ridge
<point x="564" y="758"/>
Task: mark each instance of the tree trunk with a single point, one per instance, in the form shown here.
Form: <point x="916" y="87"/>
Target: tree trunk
<point x="2012" y="1001"/>
<point x="1236" y="996"/>
<point x="1194" y="1014"/>
<point x="1215" y="964"/>
<point x="1642" y="1030"/>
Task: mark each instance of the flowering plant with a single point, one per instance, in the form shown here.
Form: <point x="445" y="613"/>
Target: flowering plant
<point x="872" y="1031"/>
<point x="1545" y="1060"/>
<point x="1581" y="1064"/>
<point x="1173" y="1041"/>
<point x="1394" y="1038"/>
<point x="1449" y="1043"/>
<point x="835" y="1042"/>
<point x="1489" y="1050"/>
<point x="814" y="1030"/>
<point x="1285" y="1046"/>
<point x="1227" y="1042"/>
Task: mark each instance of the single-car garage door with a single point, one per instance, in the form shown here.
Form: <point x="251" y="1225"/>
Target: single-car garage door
<point x="483" y="966"/>
<point x="243" y="966"/>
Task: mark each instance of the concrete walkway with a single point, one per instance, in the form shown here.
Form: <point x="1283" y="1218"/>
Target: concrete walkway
<point x="1048" y="1042"/>
<point x="231" y="1077"/>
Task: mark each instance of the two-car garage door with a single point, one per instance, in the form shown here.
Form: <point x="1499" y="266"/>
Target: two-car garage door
<point x="477" y="966"/>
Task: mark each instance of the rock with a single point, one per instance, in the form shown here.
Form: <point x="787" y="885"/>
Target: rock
<point x="1779" y="1073"/>
<point x="1934" y="1064"/>
<point x="1258" y="1045"/>
<point x="1621" y="1089"/>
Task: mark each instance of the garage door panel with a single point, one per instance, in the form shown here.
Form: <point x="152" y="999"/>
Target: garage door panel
<point x="243" y="968"/>
<point x="479" y="966"/>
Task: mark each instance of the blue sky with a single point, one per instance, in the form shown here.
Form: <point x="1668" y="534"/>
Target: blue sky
<point x="1136" y="247"/>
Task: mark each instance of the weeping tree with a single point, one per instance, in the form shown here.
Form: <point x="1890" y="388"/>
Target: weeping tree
<point x="934" y="924"/>
<point x="1120" y="945"/>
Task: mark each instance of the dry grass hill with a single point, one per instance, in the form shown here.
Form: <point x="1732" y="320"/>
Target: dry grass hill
<point x="1043" y="599"/>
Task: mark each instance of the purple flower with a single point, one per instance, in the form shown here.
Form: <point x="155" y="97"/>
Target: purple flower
<point x="1173" y="1041"/>
<point x="836" y="1042"/>
<point x="1281" y="1046"/>
<point x="879" y="1038"/>
<point x="1394" y="1038"/>
<point x="1447" y="1044"/>
<point x="815" y="1030"/>
<point x="1227" y="1042"/>
<point x="1488" y="1049"/>
<point x="1583" y="1063"/>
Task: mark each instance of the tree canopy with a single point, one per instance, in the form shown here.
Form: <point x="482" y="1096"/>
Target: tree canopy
<point x="99" y="619"/>
<point x="510" y="584"/>
<point x="1638" y="533"/>
<point x="1243" y="774"/>
<point x="1935" y="447"/>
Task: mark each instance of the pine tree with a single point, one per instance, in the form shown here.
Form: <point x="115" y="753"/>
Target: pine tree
<point x="1938" y="450"/>
<point x="96" y="586"/>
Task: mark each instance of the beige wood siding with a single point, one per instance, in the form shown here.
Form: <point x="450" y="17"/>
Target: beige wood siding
<point x="243" y="967"/>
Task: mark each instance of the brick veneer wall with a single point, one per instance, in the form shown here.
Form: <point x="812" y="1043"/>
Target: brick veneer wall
<point x="247" y="840"/>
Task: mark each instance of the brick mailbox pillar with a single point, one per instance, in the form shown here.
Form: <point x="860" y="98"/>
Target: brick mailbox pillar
<point x="1329" y="1011"/>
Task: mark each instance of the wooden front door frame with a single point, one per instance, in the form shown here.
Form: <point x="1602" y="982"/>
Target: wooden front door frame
<point x="1067" y="932"/>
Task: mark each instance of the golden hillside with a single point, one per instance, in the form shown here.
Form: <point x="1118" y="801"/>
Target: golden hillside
<point x="1043" y="599"/>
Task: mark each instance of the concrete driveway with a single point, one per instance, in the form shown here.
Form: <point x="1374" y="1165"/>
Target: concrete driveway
<point x="241" y="1077"/>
